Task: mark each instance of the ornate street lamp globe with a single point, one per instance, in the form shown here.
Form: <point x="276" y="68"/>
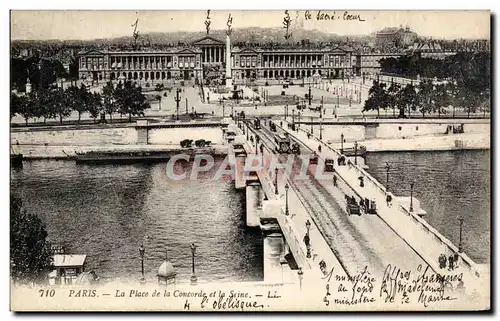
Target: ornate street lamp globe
<point x="166" y="272"/>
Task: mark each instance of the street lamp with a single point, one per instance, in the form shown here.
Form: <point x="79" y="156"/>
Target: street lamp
<point x="461" y="220"/>
<point x="387" y="168"/>
<point x="141" y="252"/>
<point x="321" y="128"/>
<point x="342" y="143"/>
<point x="411" y="196"/>
<point x="194" y="279"/>
<point x="298" y="125"/>
<point x="312" y="132"/>
<point x="301" y="275"/>
<point x="286" y="199"/>
<point x="355" y="153"/>
<point x="276" y="182"/>
<point x="308" y="226"/>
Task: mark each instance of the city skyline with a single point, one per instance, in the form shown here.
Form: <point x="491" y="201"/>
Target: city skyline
<point x="90" y="25"/>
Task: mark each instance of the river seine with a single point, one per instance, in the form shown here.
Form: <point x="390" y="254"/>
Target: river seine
<point x="107" y="212"/>
<point x="448" y="184"/>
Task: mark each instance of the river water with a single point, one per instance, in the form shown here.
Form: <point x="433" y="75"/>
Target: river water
<point x="447" y="184"/>
<point x="108" y="211"/>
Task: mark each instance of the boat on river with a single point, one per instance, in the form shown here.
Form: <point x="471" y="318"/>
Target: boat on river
<point x="16" y="160"/>
<point x="99" y="157"/>
<point x="351" y="152"/>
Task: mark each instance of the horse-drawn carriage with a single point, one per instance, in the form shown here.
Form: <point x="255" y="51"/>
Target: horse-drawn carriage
<point x="352" y="206"/>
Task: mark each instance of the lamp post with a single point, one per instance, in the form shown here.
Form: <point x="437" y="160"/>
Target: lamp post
<point x="286" y="199"/>
<point x="141" y="252"/>
<point x="309" y="97"/>
<point x="461" y="221"/>
<point x="301" y="275"/>
<point x="312" y="132"/>
<point x="411" y="196"/>
<point x="177" y="100"/>
<point x="387" y="168"/>
<point x="247" y="129"/>
<point x="194" y="279"/>
<point x="342" y="143"/>
<point x="293" y="118"/>
<point x="276" y="181"/>
<point x="355" y="153"/>
<point x="321" y="128"/>
<point x="298" y="125"/>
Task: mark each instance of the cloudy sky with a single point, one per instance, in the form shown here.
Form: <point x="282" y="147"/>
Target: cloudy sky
<point x="40" y="25"/>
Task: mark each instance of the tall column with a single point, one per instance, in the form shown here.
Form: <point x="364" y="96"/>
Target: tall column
<point x="229" y="80"/>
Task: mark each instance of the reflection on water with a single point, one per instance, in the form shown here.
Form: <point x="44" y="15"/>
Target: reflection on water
<point x="107" y="212"/>
<point x="448" y="184"/>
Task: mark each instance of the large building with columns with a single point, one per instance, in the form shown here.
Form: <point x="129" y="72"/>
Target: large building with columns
<point x="187" y="62"/>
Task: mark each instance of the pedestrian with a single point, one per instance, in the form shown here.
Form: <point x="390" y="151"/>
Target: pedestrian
<point x="335" y="180"/>
<point x="456" y="260"/>
<point x="389" y="200"/>
<point x="450" y="263"/>
<point x="442" y="261"/>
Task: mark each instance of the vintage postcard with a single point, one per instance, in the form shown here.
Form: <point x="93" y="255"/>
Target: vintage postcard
<point x="311" y="160"/>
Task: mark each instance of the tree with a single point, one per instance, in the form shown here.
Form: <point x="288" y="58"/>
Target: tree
<point x="392" y="97"/>
<point x="62" y="102"/>
<point x="81" y="99"/>
<point x="377" y="98"/>
<point x="30" y="257"/>
<point x="45" y="105"/>
<point x="15" y="104"/>
<point x="76" y="99"/>
<point x="131" y="100"/>
<point x="94" y="105"/>
<point x="108" y="97"/>
<point x="426" y="97"/>
<point x="27" y="106"/>
<point x="407" y="98"/>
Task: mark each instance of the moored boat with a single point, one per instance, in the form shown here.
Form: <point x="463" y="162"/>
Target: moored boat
<point x="16" y="160"/>
<point x="97" y="157"/>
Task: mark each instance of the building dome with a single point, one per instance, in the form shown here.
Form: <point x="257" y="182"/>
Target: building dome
<point x="166" y="270"/>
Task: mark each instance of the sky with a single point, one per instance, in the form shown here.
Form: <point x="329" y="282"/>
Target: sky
<point x="85" y="25"/>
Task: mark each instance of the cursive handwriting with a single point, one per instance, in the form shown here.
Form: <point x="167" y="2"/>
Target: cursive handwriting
<point x="333" y="15"/>
<point x="399" y="285"/>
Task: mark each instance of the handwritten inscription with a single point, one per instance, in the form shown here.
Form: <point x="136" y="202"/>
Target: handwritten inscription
<point x="398" y="285"/>
<point x="351" y="290"/>
<point x="333" y="15"/>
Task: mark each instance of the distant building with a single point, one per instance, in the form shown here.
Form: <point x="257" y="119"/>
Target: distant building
<point x="187" y="62"/>
<point x="399" y="37"/>
<point x="431" y="49"/>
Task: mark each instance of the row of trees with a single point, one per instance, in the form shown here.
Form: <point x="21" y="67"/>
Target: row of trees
<point x="125" y="99"/>
<point x="465" y="68"/>
<point x="41" y="72"/>
<point x="427" y="98"/>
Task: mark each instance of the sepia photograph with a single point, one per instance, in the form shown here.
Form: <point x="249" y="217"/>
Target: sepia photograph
<point x="250" y="160"/>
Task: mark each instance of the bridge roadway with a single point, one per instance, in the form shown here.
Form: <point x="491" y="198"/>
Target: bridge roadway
<point x="416" y="232"/>
<point x="357" y="241"/>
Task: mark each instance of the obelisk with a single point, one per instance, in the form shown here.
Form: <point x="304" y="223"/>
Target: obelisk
<point x="229" y="79"/>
